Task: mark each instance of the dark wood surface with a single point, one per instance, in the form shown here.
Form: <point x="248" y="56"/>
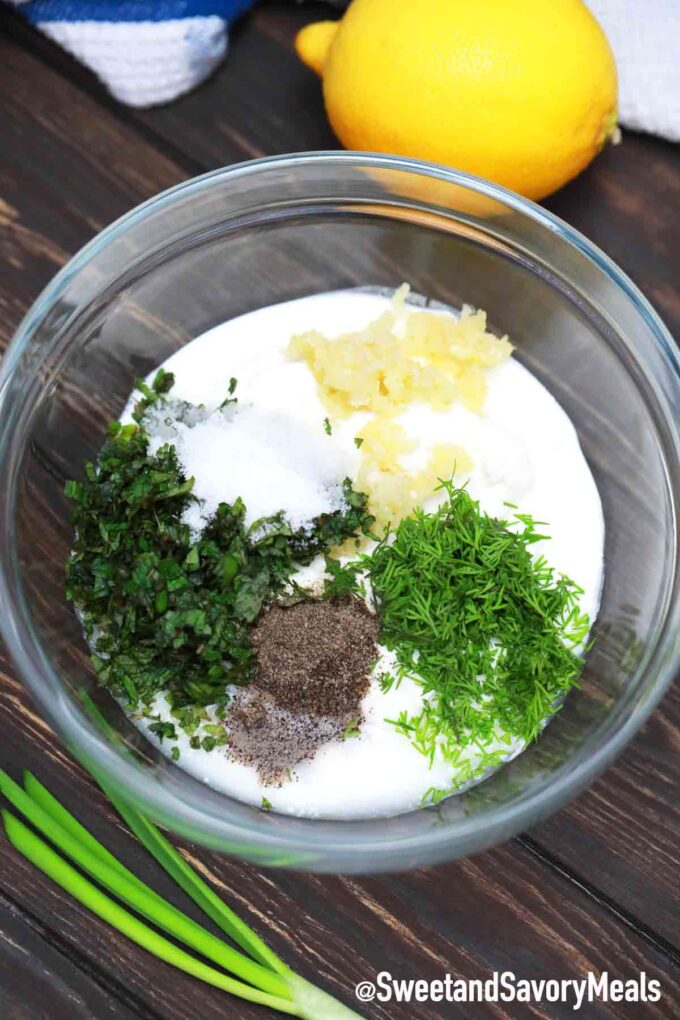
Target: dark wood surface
<point x="595" y="887"/>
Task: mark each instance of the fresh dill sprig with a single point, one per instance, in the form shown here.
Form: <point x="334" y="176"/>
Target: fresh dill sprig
<point x="386" y="681"/>
<point x="491" y="632"/>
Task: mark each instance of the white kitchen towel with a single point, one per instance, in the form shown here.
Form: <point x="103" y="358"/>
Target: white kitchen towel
<point x="151" y="51"/>
<point x="645" y="38"/>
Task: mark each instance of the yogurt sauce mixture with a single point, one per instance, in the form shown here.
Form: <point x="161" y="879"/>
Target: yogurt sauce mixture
<point x="525" y="451"/>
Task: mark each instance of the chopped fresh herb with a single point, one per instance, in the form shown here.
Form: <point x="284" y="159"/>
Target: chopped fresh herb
<point x="164" y="730"/>
<point x="166" y="611"/>
<point x="154" y="394"/>
<point x="332" y="529"/>
<point x="327" y="427"/>
<point x="266" y="805"/>
<point x="215" y="730"/>
<point x="358" y="441"/>
<point x="174" y="753"/>
<point x="490" y="632"/>
<point x="386" y="682"/>
<point x="350" y="730"/>
<point x="230" y="398"/>
<point x="341" y="579"/>
<point x="435" y="795"/>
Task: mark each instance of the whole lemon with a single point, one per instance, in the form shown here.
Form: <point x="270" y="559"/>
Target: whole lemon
<point x="520" y="91"/>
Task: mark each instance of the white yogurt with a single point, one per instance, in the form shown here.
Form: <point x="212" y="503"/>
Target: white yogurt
<point x="525" y="451"/>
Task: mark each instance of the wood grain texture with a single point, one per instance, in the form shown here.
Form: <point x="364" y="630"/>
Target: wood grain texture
<point x="596" y="886"/>
<point x="504" y="909"/>
<point x="68" y="170"/>
<point x="623" y="833"/>
<point x="39" y="976"/>
<point x="590" y="835"/>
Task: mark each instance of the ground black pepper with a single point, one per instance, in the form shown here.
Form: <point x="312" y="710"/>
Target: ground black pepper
<point x="313" y="663"/>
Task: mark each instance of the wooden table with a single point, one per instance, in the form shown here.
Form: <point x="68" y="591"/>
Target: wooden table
<point x="596" y="887"/>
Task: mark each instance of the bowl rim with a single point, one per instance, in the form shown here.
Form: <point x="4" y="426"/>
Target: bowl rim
<point x="88" y="742"/>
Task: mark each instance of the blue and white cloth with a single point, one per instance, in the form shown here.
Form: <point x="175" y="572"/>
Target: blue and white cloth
<point x="145" y="51"/>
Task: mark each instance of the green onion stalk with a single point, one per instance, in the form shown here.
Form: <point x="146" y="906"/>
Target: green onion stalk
<point x="249" y="969"/>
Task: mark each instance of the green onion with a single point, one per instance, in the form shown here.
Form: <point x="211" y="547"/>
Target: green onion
<point x="209" y="902"/>
<point x="275" y="985"/>
<point x="166" y="855"/>
<point x="43" y="857"/>
<point x="141" y="898"/>
<point x="51" y="806"/>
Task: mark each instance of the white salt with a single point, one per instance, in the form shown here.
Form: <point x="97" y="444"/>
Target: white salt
<point x="269" y="460"/>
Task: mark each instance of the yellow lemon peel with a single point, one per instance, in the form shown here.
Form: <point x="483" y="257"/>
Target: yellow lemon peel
<point x="523" y="92"/>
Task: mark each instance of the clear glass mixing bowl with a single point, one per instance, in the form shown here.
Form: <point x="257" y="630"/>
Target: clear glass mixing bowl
<point x="281" y="228"/>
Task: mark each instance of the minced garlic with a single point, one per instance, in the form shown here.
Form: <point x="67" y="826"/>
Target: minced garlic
<point x="404" y="356"/>
<point x="401" y="357"/>
<point x="392" y="491"/>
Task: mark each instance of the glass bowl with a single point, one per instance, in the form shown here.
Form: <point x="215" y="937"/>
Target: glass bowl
<point x="281" y="228"/>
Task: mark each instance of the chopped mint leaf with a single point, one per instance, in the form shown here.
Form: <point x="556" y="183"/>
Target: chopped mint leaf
<point x="167" y="612"/>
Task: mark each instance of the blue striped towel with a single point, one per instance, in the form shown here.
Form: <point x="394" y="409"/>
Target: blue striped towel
<point x="145" y="51"/>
